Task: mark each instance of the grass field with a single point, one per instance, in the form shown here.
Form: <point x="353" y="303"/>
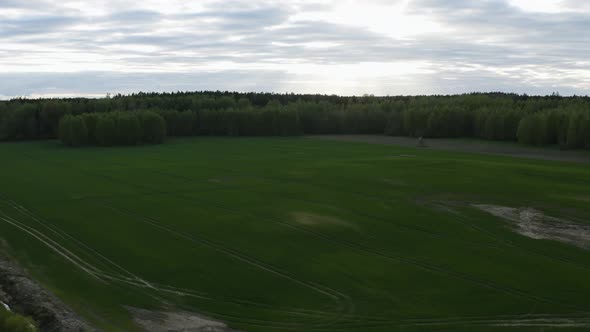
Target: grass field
<point x="295" y="234"/>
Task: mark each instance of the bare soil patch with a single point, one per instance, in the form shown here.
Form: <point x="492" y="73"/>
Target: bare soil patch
<point x="28" y="298"/>
<point x="536" y="225"/>
<point x="476" y="146"/>
<point x="178" y="321"/>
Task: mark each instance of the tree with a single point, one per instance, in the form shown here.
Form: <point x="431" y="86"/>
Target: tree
<point x="394" y="124"/>
<point x="78" y="131"/>
<point x="153" y="127"/>
<point x="65" y="125"/>
<point x="494" y="116"/>
<point x="91" y="120"/>
<point x="540" y="129"/>
<point x="526" y="130"/>
<point x="106" y="130"/>
<point x="73" y="131"/>
<point x="19" y="123"/>
<point x="562" y="130"/>
<point x="50" y="114"/>
<point x="185" y="121"/>
<point x="585" y="130"/>
<point x="574" y="136"/>
<point x="128" y="129"/>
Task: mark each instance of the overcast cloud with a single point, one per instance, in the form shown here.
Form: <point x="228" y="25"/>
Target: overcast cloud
<point x="90" y="48"/>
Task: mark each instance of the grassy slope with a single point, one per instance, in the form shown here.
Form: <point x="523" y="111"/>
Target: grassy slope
<point x="295" y="234"/>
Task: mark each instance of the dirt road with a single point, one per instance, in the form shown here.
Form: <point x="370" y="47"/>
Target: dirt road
<point x="475" y="146"/>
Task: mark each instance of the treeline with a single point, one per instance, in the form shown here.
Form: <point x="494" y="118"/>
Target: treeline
<point x="567" y="128"/>
<point x="112" y="128"/>
<point x="493" y="116"/>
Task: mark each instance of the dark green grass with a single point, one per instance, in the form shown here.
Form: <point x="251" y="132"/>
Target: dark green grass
<point x="295" y="234"/>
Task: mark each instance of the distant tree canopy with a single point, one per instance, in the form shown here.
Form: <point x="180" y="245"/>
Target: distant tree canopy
<point x="149" y="117"/>
<point x="112" y="128"/>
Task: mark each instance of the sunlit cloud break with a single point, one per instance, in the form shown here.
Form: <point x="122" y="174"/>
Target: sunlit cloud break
<point x="393" y="47"/>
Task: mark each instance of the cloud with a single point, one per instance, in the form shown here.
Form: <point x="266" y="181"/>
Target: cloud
<point x="326" y="46"/>
<point x="100" y="83"/>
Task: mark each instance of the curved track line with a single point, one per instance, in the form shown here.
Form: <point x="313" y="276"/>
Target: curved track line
<point x="332" y="294"/>
<point x="91" y="270"/>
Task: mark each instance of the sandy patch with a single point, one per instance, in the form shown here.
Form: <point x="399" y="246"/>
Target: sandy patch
<point x="27" y="298"/>
<point x="179" y="321"/>
<point x="312" y="219"/>
<point x="536" y="225"/>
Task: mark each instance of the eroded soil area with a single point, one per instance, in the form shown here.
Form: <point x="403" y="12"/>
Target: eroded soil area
<point x="179" y="321"/>
<point x="28" y="298"/>
<point x="535" y="224"/>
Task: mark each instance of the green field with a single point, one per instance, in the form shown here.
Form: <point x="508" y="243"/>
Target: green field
<point x="296" y="234"/>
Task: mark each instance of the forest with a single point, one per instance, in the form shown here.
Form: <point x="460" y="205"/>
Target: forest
<point x="150" y="117"/>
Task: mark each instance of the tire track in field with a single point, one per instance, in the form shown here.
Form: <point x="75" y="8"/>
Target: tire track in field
<point x="461" y="218"/>
<point x="487" y="284"/>
<point x="483" y="283"/>
<point x="348" y="307"/>
<point x="278" y="180"/>
<point x="559" y="321"/>
<point x="67" y="237"/>
<point x="399" y="258"/>
<point x="344" y="303"/>
<point x="438" y="270"/>
<point x="419" y="229"/>
<point x="111" y="276"/>
<point x="405" y="227"/>
<point x="72" y="258"/>
<point x="452" y="319"/>
<point x="507" y="290"/>
<point x="68" y="255"/>
<point x="391" y="256"/>
<point x="138" y="282"/>
<point x="88" y="268"/>
<point x="316" y="287"/>
<point x="285" y="326"/>
<point x="244" y="189"/>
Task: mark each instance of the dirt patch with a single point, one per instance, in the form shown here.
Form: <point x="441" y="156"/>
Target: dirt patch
<point x="28" y="298"/>
<point x="312" y="219"/>
<point x="536" y="225"/>
<point x="179" y="321"/>
<point x="476" y="146"/>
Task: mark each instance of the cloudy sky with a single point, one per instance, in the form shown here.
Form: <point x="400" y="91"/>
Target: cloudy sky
<point x="90" y="48"/>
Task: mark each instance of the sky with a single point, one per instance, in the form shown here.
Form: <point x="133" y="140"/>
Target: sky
<point x="346" y="47"/>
